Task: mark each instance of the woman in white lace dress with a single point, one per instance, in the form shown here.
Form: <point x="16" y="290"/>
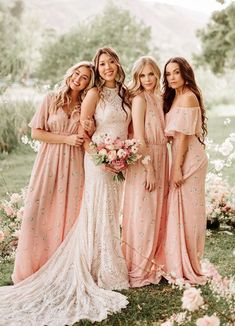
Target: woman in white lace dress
<point x="76" y="282"/>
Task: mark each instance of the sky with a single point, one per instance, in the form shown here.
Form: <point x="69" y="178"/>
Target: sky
<point x="206" y="6"/>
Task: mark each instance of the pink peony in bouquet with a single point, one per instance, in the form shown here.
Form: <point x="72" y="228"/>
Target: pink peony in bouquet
<point x="115" y="153"/>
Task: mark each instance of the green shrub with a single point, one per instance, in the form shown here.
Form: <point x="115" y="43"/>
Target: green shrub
<point x="14" y="119"/>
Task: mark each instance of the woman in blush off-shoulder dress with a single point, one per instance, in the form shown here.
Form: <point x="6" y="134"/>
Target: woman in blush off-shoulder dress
<point x="184" y="241"/>
<point x="77" y="281"/>
<point x="56" y="185"/>
<point x="146" y="185"/>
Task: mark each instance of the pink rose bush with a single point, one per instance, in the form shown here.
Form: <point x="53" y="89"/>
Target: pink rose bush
<point x="115" y="153"/>
<point x="220" y="196"/>
<point x="220" y="200"/>
<point x="11" y="213"/>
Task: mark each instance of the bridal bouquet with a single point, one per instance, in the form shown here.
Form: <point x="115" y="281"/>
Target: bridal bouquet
<point x="115" y="153"/>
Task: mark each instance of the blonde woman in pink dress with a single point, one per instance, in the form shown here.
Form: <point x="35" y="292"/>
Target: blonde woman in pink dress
<point x="146" y="186"/>
<point x="56" y="185"/>
<point x="185" y="125"/>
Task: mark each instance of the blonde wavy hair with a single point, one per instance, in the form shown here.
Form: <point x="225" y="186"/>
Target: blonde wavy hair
<point x="135" y="86"/>
<point x="61" y="96"/>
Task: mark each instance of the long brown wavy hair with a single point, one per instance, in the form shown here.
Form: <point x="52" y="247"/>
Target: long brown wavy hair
<point x="187" y="74"/>
<point x="61" y="96"/>
<point x="135" y="86"/>
<point x="120" y="78"/>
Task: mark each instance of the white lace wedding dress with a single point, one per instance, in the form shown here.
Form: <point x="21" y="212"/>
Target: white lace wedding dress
<point x="76" y="282"/>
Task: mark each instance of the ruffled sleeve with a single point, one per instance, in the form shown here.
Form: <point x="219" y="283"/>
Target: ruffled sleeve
<point x="184" y="120"/>
<point x="40" y="118"/>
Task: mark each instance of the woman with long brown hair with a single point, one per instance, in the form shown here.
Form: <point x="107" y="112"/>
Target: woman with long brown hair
<point x="55" y="189"/>
<point x="77" y="280"/>
<point x="186" y="127"/>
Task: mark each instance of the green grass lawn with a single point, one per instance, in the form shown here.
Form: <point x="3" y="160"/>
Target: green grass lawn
<point x="217" y="130"/>
<point x="15" y="170"/>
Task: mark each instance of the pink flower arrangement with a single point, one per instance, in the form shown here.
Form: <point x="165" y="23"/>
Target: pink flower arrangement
<point x="115" y="153"/>
<point x="11" y="213"/>
<point x="220" y="200"/>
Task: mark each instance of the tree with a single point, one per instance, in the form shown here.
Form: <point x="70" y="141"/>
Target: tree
<point x="218" y="40"/>
<point x="115" y="27"/>
<point x="19" y="42"/>
<point x="11" y="60"/>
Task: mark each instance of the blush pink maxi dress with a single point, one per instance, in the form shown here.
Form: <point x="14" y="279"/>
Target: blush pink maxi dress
<point x="144" y="211"/>
<point x="54" y="193"/>
<point x="186" y="222"/>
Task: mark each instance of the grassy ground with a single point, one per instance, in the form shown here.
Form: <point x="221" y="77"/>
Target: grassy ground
<point x="217" y="130"/>
<point x="15" y="170"/>
<point x="155" y="303"/>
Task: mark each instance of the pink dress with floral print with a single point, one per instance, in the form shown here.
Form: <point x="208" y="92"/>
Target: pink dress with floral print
<point x="145" y="211"/>
<point x="54" y="193"/>
<point x="186" y="219"/>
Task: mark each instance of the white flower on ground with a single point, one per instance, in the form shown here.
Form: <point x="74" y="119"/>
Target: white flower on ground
<point x="208" y="321"/>
<point x="180" y="318"/>
<point x="192" y="299"/>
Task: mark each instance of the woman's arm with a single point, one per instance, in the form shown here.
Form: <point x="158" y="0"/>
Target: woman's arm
<point x="138" y="119"/>
<point x="182" y="147"/>
<point x="50" y="138"/>
<point x="88" y="110"/>
<point x="189" y="100"/>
